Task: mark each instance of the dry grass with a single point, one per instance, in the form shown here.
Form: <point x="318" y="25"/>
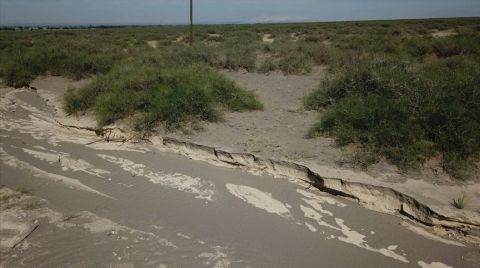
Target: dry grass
<point x="461" y="201"/>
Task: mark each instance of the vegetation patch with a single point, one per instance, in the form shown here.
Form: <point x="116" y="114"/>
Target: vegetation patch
<point x="405" y="113"/>
<point x="396" y="88"/>
<point x="82" y="52"/>
<point x="74" y="58"/>
<point x="148" y="93"/>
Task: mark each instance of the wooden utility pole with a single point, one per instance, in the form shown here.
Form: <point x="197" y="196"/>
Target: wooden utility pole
<point x="191" y="22"/>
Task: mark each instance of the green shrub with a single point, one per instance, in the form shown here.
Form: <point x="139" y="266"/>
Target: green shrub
<point x="364" y="158"/>
<point x="149" y="94"/>
<point x="313" y="38"/>
<point x="418" y="48"/>
<point x="237" y="56"/>
<point x="406" y="114"/>
<point x="446" y="47"/>
<point x="183" y="55"/>
<point x="22" y="64"/>
<point x="22" y="67"/>
<point x="267" y="66"/>
<point x="297" y="63"/>
<point x="318" y="53"/>
<point x="228" y="94"/>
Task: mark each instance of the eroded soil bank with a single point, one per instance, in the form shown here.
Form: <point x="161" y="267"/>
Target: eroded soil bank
<point x="278" y="133"/>
<point x="75" y="199"/>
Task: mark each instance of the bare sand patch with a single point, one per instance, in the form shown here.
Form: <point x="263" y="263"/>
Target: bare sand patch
<point x="179" y="39"/>
<point x="152" y="43"/>
<point x="268" y="38"/>
<point x="279" y="130"/>
<point x="444" y="33"/>
<point x="215" y="35"/>
<point x="52" y="89"/>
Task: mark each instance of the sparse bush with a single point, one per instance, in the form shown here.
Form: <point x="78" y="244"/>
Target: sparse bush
<point x="22" y="67"/>
<point x="313" y="38"/>
<point x="267" y="66"/>
<point x="446" y="47"/>
<point x="237" y="57"/>
<point x="297" y="63"/>
<point x="364" y="158"/>
<point x="183" y="55"/>
<point x="318" y="53"/>
<point x="75" y="60"/>
<point x="418" y="48"/>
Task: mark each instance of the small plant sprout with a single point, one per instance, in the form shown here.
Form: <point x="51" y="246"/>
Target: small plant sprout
<point x="461" y="201"/>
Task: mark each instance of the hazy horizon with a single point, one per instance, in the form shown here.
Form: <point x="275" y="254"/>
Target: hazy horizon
<point x="175" y="12"/>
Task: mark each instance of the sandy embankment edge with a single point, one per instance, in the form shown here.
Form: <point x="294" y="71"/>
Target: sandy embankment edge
<point x="390" y="198"/>
<point x="415" y="199"/>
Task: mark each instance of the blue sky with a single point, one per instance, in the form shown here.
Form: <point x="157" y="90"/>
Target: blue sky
<point x="84" y="12"/>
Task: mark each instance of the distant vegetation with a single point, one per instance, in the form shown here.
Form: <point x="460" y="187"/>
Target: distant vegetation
<point x="175" y="84"/>
<point x="295" y="49"/>
<point x="404" y="90"/>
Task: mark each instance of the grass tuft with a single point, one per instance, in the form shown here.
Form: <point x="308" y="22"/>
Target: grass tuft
<point x="461" y="201"/>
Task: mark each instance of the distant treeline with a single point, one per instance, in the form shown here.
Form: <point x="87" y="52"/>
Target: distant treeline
<point x="67" y="27"/>
<point x="13" y="28"/>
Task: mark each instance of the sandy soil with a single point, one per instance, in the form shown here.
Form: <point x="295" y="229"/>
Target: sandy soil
<point x="279" y="131"/>
<point x="52" y="90"/>
<point x="267" y="39"/>
<point x="215" y="35"/>
<point x="152" y="43"/>
<point x="327" y="42"/>
<point x="445" y="33"/>
<point x="179" y="39"/>
<point x="114" y="205"/>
